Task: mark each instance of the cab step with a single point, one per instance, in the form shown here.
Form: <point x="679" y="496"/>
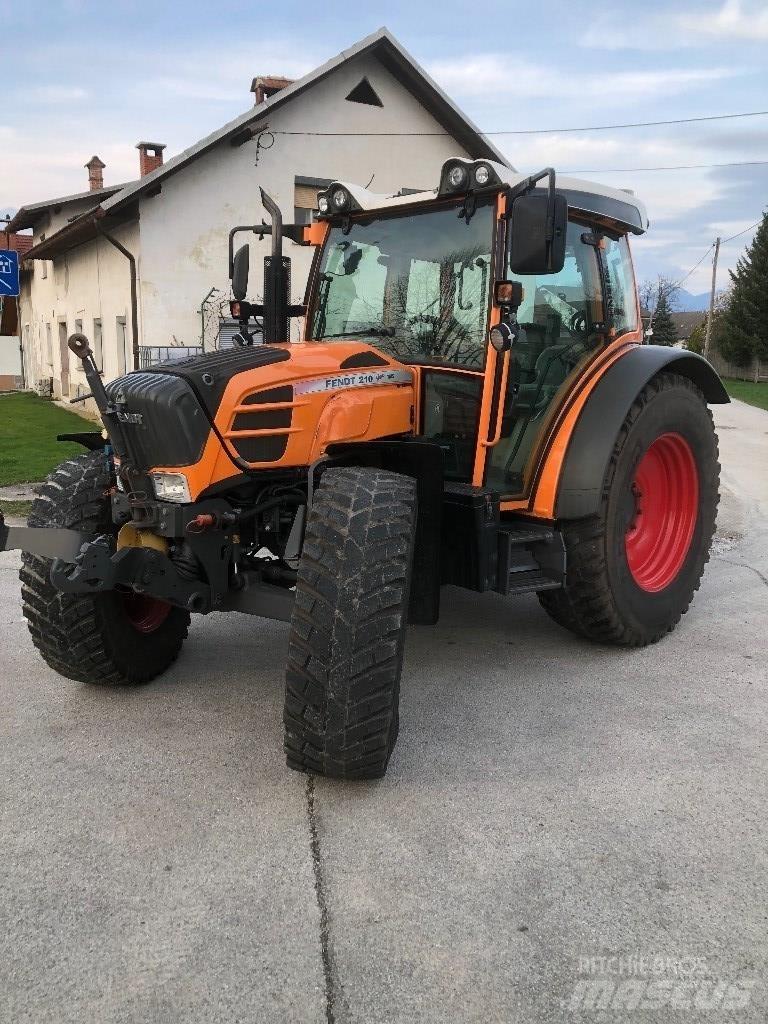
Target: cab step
<point x="531" y="558"/>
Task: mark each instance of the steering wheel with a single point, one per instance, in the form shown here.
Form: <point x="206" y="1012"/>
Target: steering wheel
<point x="577" y="325"/>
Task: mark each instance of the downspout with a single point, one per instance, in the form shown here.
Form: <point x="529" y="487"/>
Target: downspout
<point x="134" y="298"/>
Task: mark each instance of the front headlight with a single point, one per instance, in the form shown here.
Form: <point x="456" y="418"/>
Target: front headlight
<point x="322" y="204"/>
<point x="170" y="486"/>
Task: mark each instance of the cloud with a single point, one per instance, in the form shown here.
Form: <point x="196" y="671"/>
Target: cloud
<point x="55" y="94"/>
<point x="487" y="74"/>
<point x="674" y="30"/>
<point x="732" y="20"/>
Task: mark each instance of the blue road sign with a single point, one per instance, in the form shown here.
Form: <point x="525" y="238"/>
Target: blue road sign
<point x="9" y="272"/>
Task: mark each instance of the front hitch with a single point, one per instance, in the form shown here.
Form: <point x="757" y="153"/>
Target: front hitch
<point x="44" y="541"/>
<point x="144" y="570"/>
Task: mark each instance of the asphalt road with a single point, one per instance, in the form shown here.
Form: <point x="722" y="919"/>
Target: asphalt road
<point x="549" y="803"/>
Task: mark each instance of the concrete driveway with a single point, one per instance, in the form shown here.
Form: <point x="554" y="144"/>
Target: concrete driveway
<point x="566" y="832"/>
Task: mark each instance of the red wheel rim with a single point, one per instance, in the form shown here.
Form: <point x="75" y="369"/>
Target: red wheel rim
<point x="665" y="492"/>
<point x="145" y="613"/>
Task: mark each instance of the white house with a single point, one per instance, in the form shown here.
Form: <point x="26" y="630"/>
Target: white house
<point x="145" y="264"/>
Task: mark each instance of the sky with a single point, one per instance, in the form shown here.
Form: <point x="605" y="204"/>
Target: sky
<point x="82" y="77"/>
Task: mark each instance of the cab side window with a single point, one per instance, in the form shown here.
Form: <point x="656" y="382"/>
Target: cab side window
<point x="620" y="284"/>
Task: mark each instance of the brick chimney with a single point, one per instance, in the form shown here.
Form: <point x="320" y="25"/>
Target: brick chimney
<point x="150" y="156"/>
<point x="95" y="177"/>
<point x="264" y="86"/>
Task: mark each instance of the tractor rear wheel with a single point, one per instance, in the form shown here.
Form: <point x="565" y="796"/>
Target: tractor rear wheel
<point x="348" y="628"/>
<point x="109" y="639"/>
<point x="634" y="567"/>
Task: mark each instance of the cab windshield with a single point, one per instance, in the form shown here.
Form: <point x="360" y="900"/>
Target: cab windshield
<point x="415" y="284"/>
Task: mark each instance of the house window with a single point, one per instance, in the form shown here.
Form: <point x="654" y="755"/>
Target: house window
<point x="98" y="345"/>
<point x="120" y="332"/>
<point x="48" y="345"/>
<point x="78" y="326"/>
<point x="365" y="93"/>
<point x="305" y="198"/>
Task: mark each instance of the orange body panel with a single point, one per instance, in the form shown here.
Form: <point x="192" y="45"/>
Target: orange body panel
<point x="359" y="405"/>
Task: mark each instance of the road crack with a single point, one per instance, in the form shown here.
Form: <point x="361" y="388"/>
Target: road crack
<point x="334" y="1013"/>
<point x="743" y="565"/>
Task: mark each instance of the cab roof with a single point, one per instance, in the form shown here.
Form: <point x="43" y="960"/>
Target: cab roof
<point x="621" y="209"/>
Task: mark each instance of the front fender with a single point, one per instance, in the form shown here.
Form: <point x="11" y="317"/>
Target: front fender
<point x="593" y="438"/>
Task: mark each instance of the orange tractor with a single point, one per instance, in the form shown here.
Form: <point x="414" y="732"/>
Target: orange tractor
<point x="472" y="405"/>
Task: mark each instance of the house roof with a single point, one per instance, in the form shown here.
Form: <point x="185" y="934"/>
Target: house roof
<point x="19" y="243"/>
<point x="686" y="323"/>
<point x="29" y="214"/>
<point x="391" y="54"/>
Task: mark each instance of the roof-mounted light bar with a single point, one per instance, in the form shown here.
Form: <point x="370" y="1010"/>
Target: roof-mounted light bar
<point x="459" y="176"/>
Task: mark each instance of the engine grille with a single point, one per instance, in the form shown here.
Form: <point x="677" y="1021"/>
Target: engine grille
<point x="262" y="425"/>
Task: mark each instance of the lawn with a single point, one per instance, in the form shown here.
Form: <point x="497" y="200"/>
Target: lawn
<point x="28" y="428"/>
<point x="747" y="391"/>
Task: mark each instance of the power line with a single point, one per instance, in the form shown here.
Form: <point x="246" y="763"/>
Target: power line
<point x="741" y="232"/>
<point x="676" y="167"/>
<point x="542" y="131"/>
<point x="675" y="284"/>
<point x="695" y="266"/>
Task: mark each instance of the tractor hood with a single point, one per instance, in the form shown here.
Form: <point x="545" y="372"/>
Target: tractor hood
<point x="260" y="407"/>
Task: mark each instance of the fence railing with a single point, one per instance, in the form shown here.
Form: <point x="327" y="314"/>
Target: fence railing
<point x="757" y="371"/>
<point x="151" y="355"/>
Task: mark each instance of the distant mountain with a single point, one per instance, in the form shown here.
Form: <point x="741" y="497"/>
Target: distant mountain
<point x="687" y="303"/>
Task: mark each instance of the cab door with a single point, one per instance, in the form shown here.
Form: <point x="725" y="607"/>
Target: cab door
<point x="562" y="320"/>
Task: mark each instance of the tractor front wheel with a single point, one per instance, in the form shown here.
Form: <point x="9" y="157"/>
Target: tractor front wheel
<point x="110" y="639"/>
<point x="635" y="566"/>
<point x="348" y="628"/>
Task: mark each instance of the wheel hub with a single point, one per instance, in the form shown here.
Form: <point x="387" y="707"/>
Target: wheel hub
<point x="145" y="613"/>
<point x="665" y="499"/>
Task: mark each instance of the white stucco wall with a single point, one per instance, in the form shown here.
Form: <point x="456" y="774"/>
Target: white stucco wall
<point x="88" y="283"/>
<point x="184" y="229"/>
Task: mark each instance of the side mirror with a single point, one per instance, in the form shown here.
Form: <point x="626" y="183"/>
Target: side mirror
<point x="535" y="248"/>
<point x="240" y="270"/>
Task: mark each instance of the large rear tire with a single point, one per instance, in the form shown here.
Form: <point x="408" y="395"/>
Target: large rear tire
<point x="348" y="627"/>
<point x="109" y="639"/>
<point x="634" y="567"/>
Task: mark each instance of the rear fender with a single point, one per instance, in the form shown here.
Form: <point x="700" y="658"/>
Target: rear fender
<point x="594" y="436"/>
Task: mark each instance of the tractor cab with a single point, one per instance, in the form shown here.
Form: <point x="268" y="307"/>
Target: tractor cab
<point x="495" y="288"/>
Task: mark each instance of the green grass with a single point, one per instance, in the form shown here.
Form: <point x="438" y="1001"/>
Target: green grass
<point x="19" y="509"/>
<point x="28" y="428"/>
<point x="748" y="391"/>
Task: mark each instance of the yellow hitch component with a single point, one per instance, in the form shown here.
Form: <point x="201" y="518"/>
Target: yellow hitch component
<point x="131" y="537"/>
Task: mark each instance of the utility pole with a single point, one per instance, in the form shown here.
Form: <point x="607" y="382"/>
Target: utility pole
<point x="711" y="299"/>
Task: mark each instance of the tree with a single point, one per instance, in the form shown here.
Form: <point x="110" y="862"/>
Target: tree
<point x="659" y="296"/>
<point x="698" y="335"/>
<point x="745" y="330"/>
<point x="664" y="330"/>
